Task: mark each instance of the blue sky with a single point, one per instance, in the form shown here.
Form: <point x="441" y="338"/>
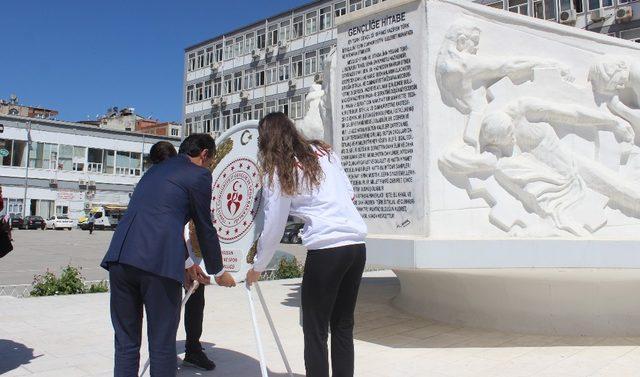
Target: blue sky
<point x="82" y="56"/>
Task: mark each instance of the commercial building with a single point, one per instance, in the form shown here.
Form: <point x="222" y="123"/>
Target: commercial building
<point x="270" y="65"/>
<point x="71" y="167"/>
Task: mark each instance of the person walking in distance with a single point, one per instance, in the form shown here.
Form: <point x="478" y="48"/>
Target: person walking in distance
<point x="305" y="178"/>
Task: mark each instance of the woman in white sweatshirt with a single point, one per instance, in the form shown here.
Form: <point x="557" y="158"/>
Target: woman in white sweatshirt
<point x="305" y="178"/>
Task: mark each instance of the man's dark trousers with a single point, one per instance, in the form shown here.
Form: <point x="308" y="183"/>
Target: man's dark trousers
<point x="131" y="288"/>
<point x="193" y="316"/>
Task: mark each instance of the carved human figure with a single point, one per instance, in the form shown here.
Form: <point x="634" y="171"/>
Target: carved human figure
<point x="463" y="76"/>
<point x="612" y="77"/>
<point x="549" y="178"/>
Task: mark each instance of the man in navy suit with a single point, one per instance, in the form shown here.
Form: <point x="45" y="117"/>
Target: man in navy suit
<point x="146" y="258"/>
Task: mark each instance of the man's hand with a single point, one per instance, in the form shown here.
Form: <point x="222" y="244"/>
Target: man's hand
<point x="195" y="273"/>
<point x="226" y="280"/>
<point x="252" y="276"/>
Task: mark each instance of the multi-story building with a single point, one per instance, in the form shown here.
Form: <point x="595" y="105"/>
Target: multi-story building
<point x="13" y="107"/>
<point x="269" y="65"/>
<point x="67" y="168"/>
<point x="154" y="127"/>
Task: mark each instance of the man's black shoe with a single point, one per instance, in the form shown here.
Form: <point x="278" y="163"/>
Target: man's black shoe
<point x="199" y="360"/>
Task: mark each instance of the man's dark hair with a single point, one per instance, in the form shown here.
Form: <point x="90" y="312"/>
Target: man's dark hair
<point x="194" y="144"/>
<point x="161" y="151"/>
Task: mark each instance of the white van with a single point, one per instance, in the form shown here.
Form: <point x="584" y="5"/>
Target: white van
<point x="105" y="217"/>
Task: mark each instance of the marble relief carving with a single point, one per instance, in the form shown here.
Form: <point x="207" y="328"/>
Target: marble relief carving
<point x="523" y="117"/>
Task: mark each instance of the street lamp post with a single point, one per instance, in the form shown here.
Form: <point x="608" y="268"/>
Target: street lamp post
<point x="26" y="174"/>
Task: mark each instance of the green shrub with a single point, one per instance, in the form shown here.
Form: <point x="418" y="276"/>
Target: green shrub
<point x="98" y="287"/>
<point x="70" y="282"/>
<point x="288" y="268"/>
<point x="45" y="284"/>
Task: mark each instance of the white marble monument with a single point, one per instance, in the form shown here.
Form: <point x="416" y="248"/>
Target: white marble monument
<point x="496" y="161"/>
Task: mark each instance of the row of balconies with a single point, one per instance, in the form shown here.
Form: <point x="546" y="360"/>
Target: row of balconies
<point x="256" y="53"/>
<point x="622" y="14"/>
<point x="221" y="101"/>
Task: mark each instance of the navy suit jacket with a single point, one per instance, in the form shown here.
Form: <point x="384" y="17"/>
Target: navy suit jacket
<point x="150" y="235"/>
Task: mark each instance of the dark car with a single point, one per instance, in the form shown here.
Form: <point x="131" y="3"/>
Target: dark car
<point x="34" y="222"/>
<point x="291" y="233"/>
<point x="16" y="221"/>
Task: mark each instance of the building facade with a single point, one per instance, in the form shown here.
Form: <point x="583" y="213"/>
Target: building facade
<point x="69" y="167"/>
<point x="271" y="64"/>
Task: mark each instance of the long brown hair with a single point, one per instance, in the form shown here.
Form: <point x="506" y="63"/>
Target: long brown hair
<point x="282" y="150"/>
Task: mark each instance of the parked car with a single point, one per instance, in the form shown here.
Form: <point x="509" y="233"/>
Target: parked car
<point x="17" y="222"/>
<point x="291" y="233"/>
<point x="60" y="222"/>
<point x="34" y="222"/>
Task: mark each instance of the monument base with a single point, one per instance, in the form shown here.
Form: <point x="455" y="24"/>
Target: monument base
<point x="547" y="287"/>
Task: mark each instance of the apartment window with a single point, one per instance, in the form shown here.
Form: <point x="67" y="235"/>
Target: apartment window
<point x="271" y="73"/>
<point x="322" y="56"/>
<point x="228" y="85"/>
<point x="199" y="92"/>
<point x="219" y="52"/>
<point x="191" y="62"/>
<point x="228" y="49"/>
<point x="65" y="157"/>
<point x="298" y="30"/>
<point x="95" y="157"/>
<point x="311" y="22"/>
<point x="207" y="89"/>
<point x="246" y="113"/>
<point x="258" y="111"/>
<point x="259" y="78"/>
<point x="109" y="161"/>
<point x="209" y="56"/>
<point x="8" y="145"/>
<point x="340" y="9"/>
<point x="296" y="107"/>
<point x="261" y="39"/>
<point x="189" y="93"/>
<point x="175" y="132"/>
<point x="217" y="87"/>
<point x="128" y="163"/>
<point x="296" y="66"/>
<point x="368" y="3"/>
<point x="249" y="42"/>
<point x="283" y="105"/>
<point x="235" y="115"/>
<point x="79" y="158"/>
<point x="188" y="127"/>
<point x="325" y="18"/>
<point x="206" y="124"/>
<point x="200" y="61"/>
<point x="197" y="124"/>
<point x="271" y="107"/>
<point x="310" y="63"/>
<point x="354" y="5"/>
<point x="215" y="124"/>
<point x="285" y="30"/>
<point x="41" y="155"/>
<point x="248" y="79"/>
<point x="518" y="6"/>
<point x="596" y="4"/>
<point x="237" y="81"/>
<point x="544" y="9"/>
<point x="272" y="36"/>
<point x="283" y="71"/>
<point x="239" y="46"/>
<point x="226" y="119"/>
<point x="13" y="206"/>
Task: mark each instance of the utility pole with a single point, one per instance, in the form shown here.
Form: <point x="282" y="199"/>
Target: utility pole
<point x="26" y="175"/>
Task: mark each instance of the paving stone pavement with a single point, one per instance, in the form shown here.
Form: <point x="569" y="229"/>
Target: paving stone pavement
<point x="72" y="336"/>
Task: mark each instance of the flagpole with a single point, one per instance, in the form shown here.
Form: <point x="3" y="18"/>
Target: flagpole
<point x="26" y="175"/>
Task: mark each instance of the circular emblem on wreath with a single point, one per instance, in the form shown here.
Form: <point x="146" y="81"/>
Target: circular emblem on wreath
<point x="236" y="199"/>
